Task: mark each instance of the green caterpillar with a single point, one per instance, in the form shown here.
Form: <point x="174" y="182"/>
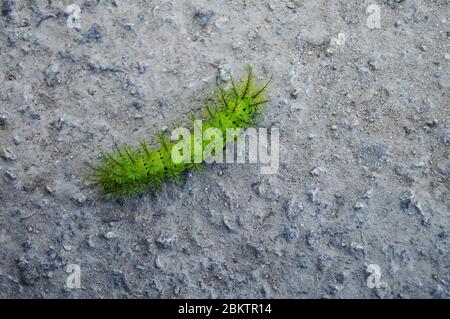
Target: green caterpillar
<point x="130" y="170"/>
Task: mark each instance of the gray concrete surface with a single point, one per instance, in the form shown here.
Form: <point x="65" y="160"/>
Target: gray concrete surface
<point x="364" y="160"/>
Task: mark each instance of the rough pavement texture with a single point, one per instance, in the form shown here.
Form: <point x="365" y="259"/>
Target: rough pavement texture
<point x="364" y="159"/>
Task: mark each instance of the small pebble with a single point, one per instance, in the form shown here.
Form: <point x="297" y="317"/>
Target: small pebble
<point x="17" y="140"/>
<point x="283" y="104"/>
<point x="8" y="154"/>
<point x="203" y="17"/>
<point x="43" y="204"/>
<point x="73" y="15"/>
<point x="138" y="104"/>
<point x="80" y="199"/>
<point x="318" y="171"/>
<point x="224" y="72"/>
<point x="3" y="119"/>
<point x="49" y="189"/>
<point x="356" y="246"/>
<point x="166" y="241"/>
<point x="373" y="64"/>
<point x="290" y="233"/>
<point x="423" y="47"/>
<point x="290" y="5"/>
<point x="294" y="208"/>
<point x="367" y="194"/>
<point x="94" y="33"/>
<point x="312" y="195"/>
<point x="52" y="75"/>
<point x="12" y="174"/>
<point x="59" y="124"/>
<point x="110" y="235"/>
<point x="434" y="123"/>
